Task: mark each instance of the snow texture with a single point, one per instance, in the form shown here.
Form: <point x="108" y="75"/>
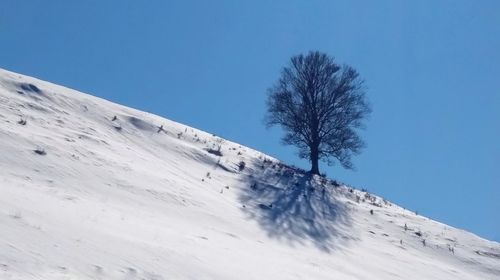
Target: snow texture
<point x="94" y="190"/>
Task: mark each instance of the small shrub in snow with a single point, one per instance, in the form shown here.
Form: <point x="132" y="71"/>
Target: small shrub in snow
<point x="241" y="165"/>
<point x="386" y="202"/>
<point x="452" y="249"/>
<point x="369" y="197"/>
<point x="40" y="151"/>
<point x="30" y="87"/>
<point x="215" y="152"/>
<point x="22" y="121"/>
<point x="376" y="204"/>
<point x="218" y="143"/>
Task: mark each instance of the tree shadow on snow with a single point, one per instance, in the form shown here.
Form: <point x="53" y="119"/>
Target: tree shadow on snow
<point x="293" y="206"/>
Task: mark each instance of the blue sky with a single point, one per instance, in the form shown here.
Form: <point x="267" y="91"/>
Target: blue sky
<point x="432" y="69"/>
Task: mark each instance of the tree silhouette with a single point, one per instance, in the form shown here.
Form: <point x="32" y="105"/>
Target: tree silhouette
<point x="320" y="105"/>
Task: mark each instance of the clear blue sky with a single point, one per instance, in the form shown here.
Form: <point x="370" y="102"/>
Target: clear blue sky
<point x="432" y="69"/>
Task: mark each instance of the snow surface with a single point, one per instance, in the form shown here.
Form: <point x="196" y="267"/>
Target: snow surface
<point x="108" y="198"/>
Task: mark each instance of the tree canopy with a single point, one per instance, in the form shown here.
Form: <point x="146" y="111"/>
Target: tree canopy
<point x="321" y="106"/>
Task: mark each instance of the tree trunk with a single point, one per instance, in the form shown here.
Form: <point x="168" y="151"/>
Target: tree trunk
<point x="314" y="161"/>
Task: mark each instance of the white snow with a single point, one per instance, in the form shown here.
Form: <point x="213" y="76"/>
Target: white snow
<point x="116" y="199"/>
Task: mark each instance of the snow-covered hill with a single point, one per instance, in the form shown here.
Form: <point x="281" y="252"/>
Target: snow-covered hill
<point x="93" y="190"/>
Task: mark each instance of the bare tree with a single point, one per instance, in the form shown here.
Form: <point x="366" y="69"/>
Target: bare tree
<point x="320" y="105"/>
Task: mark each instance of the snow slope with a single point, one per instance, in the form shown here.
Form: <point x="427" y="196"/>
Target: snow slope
<point x="142" y="197"/>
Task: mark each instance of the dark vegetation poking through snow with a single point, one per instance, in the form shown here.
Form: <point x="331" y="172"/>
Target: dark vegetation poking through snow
<point x="30" y="88"/>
